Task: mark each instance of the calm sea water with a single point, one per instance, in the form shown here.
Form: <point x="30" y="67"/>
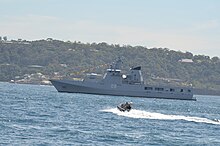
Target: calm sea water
<point x="39" y="115"/>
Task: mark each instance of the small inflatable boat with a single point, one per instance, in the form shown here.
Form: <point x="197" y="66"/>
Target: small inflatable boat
<point x="124" y="107"/>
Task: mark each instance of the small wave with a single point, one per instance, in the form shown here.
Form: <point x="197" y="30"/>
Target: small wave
<point x="158" y="116"/>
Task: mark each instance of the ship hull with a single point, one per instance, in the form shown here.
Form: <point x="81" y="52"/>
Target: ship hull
<point x="72" y="86"/>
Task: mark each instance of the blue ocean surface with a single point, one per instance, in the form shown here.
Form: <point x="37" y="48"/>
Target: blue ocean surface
<point x="39" y="115"/>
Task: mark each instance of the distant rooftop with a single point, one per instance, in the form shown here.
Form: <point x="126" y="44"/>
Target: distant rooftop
<point x="186" y="60"/>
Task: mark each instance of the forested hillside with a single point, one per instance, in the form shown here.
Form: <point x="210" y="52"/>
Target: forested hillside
<point x="53" y="57"/>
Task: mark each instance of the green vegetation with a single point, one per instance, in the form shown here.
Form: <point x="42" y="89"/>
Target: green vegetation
<point x="75" y="59"/>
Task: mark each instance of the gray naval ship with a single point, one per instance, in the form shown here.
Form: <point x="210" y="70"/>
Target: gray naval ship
<point x="116" y="83"/>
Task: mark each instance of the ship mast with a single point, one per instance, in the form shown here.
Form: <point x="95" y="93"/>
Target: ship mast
<point x="118" y="64"/>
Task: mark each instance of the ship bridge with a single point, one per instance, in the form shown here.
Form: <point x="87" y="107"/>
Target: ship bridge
<point x="134" y="76"/>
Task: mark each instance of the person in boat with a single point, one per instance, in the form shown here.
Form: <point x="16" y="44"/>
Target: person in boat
<point x="125" y="107"/>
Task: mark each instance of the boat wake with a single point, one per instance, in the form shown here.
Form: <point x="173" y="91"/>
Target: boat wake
<point x="158" y="116"/>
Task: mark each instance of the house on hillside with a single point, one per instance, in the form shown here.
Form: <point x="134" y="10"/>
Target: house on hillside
<point x="186" y="60"/>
